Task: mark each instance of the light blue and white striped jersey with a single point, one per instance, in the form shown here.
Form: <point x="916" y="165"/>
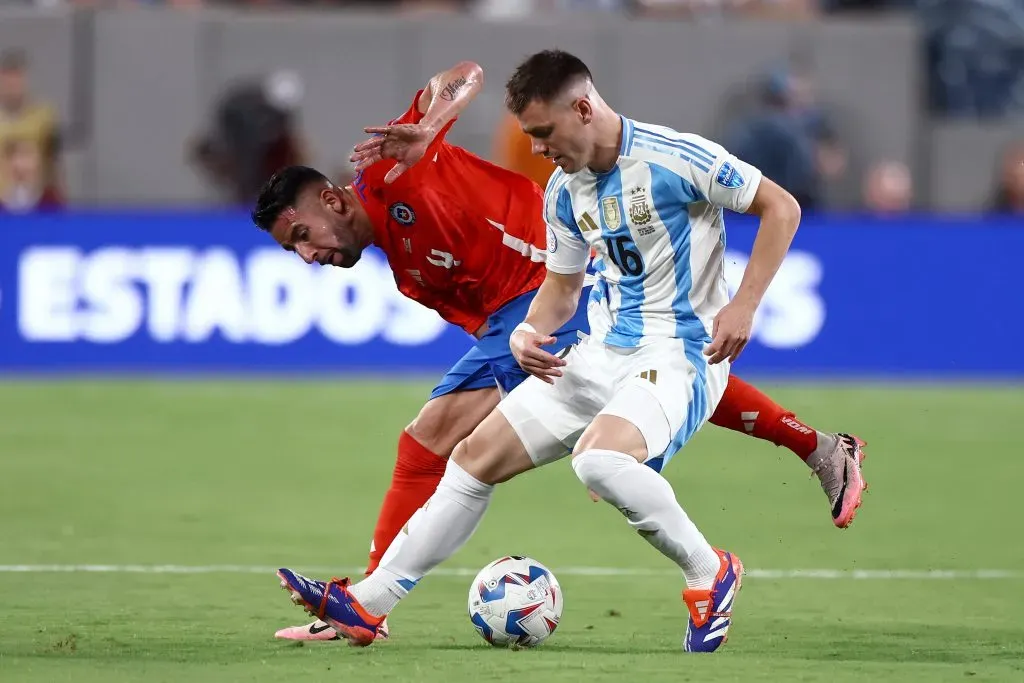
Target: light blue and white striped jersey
<point x="655" y="222"/>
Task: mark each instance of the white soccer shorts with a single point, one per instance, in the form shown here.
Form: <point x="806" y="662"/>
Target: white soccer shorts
<point x="666" y="388"/>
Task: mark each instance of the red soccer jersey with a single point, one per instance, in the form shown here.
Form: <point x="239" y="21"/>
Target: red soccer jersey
<point x="461" y="235"/>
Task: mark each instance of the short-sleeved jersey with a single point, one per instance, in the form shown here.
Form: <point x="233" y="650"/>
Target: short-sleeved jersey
<point x="655" y="221"/>
<point x="462" y="235"/>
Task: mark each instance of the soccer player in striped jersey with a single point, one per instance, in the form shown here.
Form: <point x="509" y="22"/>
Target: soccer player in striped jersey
<point x="624" y="400"/>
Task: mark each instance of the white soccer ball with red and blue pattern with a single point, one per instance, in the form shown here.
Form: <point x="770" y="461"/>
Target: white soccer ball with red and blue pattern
<point x="515" y="601"/>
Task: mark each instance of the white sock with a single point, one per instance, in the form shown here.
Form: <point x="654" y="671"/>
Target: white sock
<point x="436" y="532"/>
<point x="403" y="534"/>
<point x="649" y="503"/>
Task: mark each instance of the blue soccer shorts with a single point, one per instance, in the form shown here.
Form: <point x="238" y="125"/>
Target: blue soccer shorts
<point x="490" y="363"/>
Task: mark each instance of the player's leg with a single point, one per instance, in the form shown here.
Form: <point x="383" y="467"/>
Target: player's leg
<point x="423" y="451"/>
<point x="447" y="521"/>
<point x="609" y="460"/>
<point x="499" y="361"/>
<point x="465" y="395"/>
<point x="456" y="408"/>
<point x="834" y="458"/>
<point x="620" y="455"/>
<point x="531" y="427"/>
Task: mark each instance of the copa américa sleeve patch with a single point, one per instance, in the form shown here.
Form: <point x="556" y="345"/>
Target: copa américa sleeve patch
<point x="552" y="241"/>
<point x="729" y="177"/>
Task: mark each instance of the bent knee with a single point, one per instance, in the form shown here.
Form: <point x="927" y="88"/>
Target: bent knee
<point x="612" y="433"/>
<point x="433" y="432"/>
<point x="596" y="466"/>
<point x="424" y="433"/>
<point x="585" y="465"/>
<point x="493" y="453"/>
<point x="478" y="458"/>
<point x="589" y="440"/>
<point x="446" y="420"/>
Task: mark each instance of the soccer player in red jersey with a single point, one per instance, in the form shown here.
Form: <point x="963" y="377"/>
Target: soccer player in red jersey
<point x="461" y="236"/>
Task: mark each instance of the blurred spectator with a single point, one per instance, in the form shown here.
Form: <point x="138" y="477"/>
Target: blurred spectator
<point x="790" y="138"/>
<point x="27" y="188"/>
<point x="888" y="188"/>
<point x="24" y="120"/>
<point x="510" y="9"/>
<point x="406" y="6"/>
<point x="1010" y="192"/>
<point x="253" y="134"/>
<point x="776" y="9"/>
<point x="431" y="6"/>
<point x="975" y="56"/>
<point x="513" y="150"/>
<point x="763" y="9"/>
<point x="868" y="5"/>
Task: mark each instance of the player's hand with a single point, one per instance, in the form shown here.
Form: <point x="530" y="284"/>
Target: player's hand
<point x="526" y="349"/>
<point x="593" y="496"/>
<point x="730" y="333"/>
<point x="406" y="143"/>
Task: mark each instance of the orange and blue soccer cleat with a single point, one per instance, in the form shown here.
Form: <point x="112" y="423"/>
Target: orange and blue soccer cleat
<point x="332" y="603"/>
<point x="711" y="609"/>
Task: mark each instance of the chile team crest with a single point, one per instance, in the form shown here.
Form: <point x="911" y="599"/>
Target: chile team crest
<point x="402" y="213"/>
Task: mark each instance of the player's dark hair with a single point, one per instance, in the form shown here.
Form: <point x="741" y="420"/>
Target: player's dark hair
<point x="281" y="191"/>
<point x="543" y="77"/>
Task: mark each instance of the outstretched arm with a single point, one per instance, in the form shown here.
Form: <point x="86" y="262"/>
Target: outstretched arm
<point x="448" y="93"/>
<point x="443" y="98"/>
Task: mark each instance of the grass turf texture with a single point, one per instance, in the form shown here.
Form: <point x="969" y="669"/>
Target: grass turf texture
<point x="273" y="474"/>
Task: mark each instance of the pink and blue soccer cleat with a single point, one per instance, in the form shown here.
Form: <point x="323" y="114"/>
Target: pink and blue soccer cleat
<point x="332" y="603"/>
<point x="711" y="609"/>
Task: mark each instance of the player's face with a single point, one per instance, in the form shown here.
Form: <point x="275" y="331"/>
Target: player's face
<point x="559" y="132"/>
<point x="325" y="228"/>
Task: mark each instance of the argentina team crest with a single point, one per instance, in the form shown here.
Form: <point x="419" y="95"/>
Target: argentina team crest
<point x="729" y="176"/>
<point x="610" y="213"/>
<point x="402" y="213"/>
<point x="639" y="210"/>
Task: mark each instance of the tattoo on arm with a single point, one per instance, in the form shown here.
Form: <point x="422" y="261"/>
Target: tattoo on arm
<point x="452" y="89"/>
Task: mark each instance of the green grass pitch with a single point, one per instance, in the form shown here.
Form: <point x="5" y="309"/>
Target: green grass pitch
<point x="196" y="474"/>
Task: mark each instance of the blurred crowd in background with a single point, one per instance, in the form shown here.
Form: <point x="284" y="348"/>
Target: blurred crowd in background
<point x="973" y="54"/>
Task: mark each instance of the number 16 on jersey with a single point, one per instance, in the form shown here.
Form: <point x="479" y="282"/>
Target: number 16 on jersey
<point x="623" y="253"/>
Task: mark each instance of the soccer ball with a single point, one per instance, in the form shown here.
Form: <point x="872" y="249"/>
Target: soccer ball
<point x="515" y="602"/>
